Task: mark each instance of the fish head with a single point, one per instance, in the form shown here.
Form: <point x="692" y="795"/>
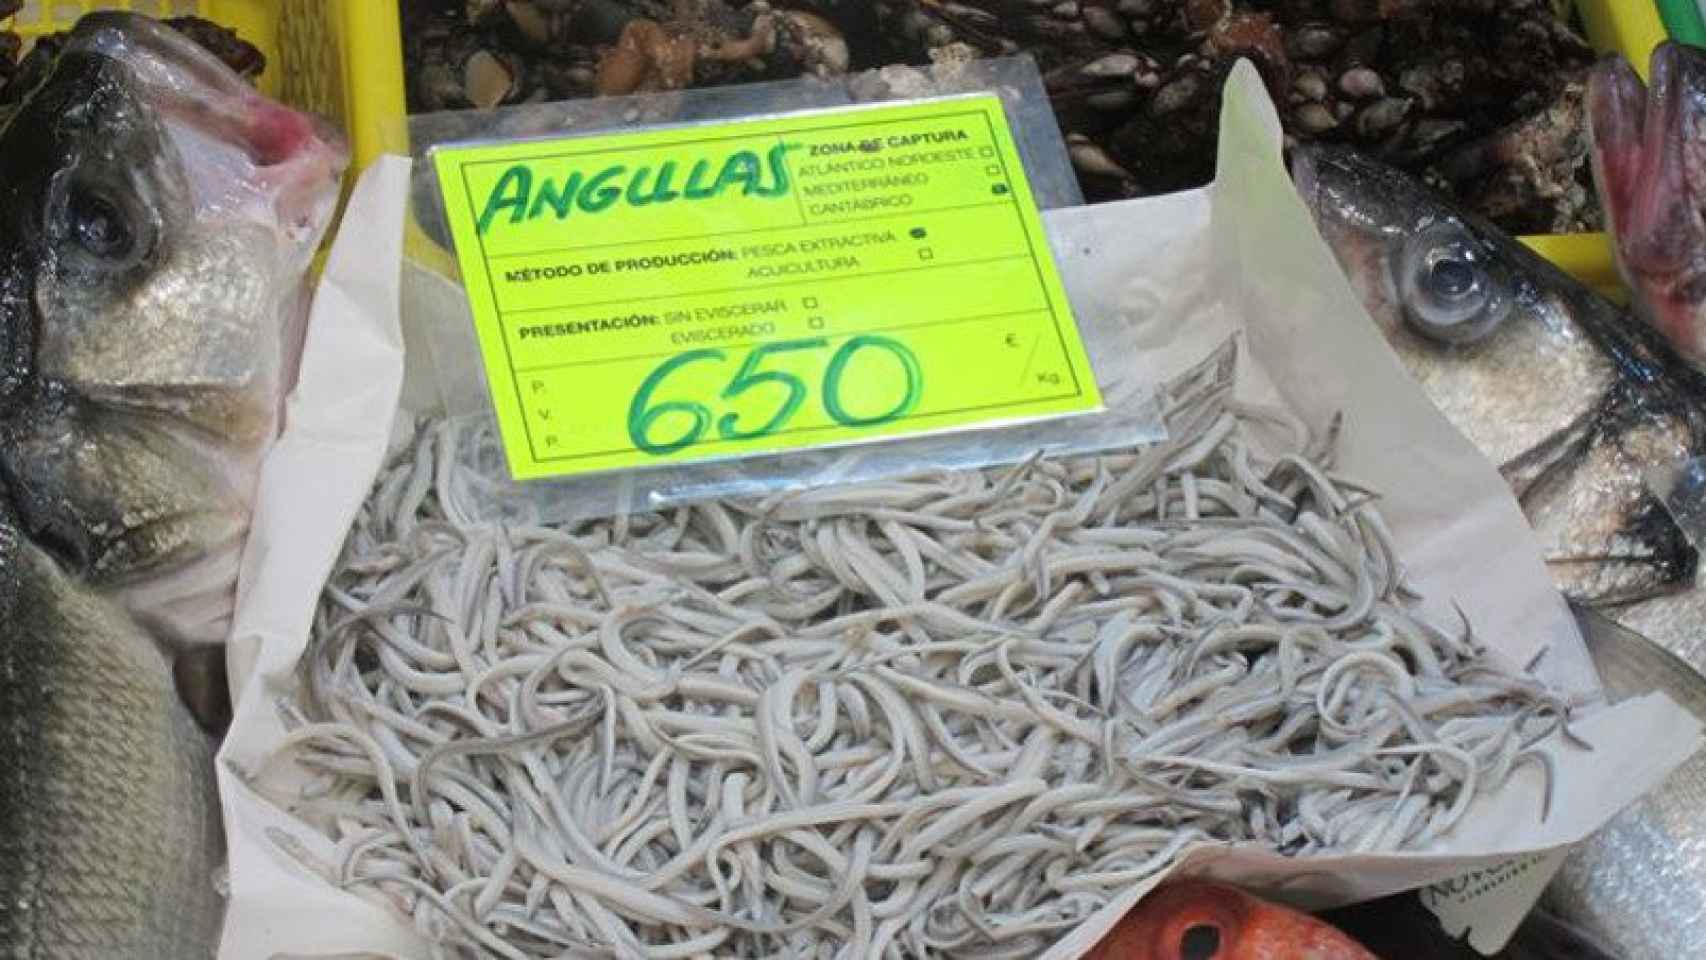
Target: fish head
<point x="159" y="211"/>
<point x="1570" y="397"/>
<point x="1649" y="161"/>
<point x="1194" y="920"/>
<point x="1422" y="268"/>
<point x="1497" y="339"/>
<point x="157" y="217"/>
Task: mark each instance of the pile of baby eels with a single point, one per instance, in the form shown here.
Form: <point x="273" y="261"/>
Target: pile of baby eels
<point x="950" y="715"/>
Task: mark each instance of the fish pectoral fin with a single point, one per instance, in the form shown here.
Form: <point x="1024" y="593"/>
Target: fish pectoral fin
<point x="202" y="684"/>
<point x="1648" y="583"/>
<point x="1531" y="472"/>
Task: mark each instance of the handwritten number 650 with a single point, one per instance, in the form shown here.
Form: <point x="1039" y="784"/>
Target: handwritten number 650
<point x="643" y="414"/>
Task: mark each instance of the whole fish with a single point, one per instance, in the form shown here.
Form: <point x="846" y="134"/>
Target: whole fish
<point x="1649" y="158"/>
<point x="157" y="218"/>
<point x="1568" y="394"/>
<point x="1195" y="920"/>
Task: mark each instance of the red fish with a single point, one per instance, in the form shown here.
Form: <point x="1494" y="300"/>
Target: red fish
<point x="1193" y="920"/>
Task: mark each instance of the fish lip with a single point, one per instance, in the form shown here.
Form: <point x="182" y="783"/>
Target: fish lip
<point x="1305" y="160"/>
<point x="1666" y="93"/>
<point x="1665" y="67"/>
<point x="1338" y="183"/>
<point x="134" y="38"/>
<point x="1616" y="105"/>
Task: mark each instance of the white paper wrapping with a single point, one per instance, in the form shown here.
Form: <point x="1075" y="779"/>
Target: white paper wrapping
<point x="336" y="424"/>
<point x="1189" y="270"/>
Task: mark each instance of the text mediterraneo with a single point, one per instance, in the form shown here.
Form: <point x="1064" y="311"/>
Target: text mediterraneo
<point x="521" y="196"/>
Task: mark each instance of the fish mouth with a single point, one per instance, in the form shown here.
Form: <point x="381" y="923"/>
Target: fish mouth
<point x="1649" y="162"/>
<point x="1639" y="133"/>
<point x="1343" y="187"/>
<point x="245" y="154"/>
<point x="1313" y="171"/>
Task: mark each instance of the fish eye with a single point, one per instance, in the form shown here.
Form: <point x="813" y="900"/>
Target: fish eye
<point x="1199" y="942"/>
<point x="98" y="225"/>
<point x="1449" y="289"/>
<point x="1453" y="278"/>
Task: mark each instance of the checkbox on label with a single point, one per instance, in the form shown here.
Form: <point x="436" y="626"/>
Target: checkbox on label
<point x="925" y="253"/>
<point x="810" y="303"/>
<point x="986" y="152"/>
<point x="993" y="170"/>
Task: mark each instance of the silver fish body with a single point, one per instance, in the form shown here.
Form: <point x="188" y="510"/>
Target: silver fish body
<point x="1568" y="394"/>
<point x="157" y="217"/>
<point x="1640" y="882"/>
<point x="109" y="822"/>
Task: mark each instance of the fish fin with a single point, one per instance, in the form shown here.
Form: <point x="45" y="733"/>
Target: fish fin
<point x="1674" y="550"/>
<point x="1651" y="576"/>
<point x="1530" y="472"/>
<point x="203" y="686"/>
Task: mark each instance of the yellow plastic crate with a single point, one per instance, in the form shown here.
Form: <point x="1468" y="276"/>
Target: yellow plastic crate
<point x="342" y="59"/>
<point x="1629" y="27"/>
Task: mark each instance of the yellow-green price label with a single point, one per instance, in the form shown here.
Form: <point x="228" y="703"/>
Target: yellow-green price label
<point x="758" y="286"/>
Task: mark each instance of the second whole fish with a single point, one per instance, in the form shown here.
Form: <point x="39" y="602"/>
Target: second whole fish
<point x="157" y="218"/>
<point x="1577" y="400"/>
<point x="1569" y="395"/>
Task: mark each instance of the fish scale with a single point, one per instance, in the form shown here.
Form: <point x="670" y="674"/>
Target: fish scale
<point x="86" y="694"/>
<point x="1642" y="879"/>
